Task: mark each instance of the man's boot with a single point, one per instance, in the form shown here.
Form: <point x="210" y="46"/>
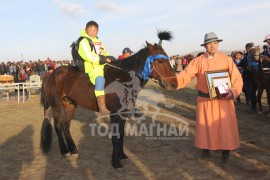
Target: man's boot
<point x="205" y="154"/>
<point x="225" y="156"/>
<point x="102" y="105"/>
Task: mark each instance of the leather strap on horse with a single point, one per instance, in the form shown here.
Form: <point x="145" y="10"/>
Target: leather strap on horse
<point x="146" y="71"/>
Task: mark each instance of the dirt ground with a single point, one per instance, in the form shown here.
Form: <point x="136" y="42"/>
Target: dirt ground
<point x="21" y="158"/>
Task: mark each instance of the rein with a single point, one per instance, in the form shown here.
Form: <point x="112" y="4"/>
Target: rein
<point x="115" y="67"/>
<point x="161" y="77"/>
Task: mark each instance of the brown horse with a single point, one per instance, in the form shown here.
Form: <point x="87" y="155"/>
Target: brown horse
<point x="68" y="88"/>
<point x="261" y="78"/>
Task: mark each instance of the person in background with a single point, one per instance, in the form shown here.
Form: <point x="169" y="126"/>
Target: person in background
<point x="247" y="78"/>
<point x="22" y="73"/>
<point x="184" y="62"/>
<point x="2" y="68"/>
<point x="28" y="71"/>
<point x="266" y="52"/>
<point x="50" y="63"/>
<point x="237" y="58"/>
<point x="172" y="62"/>
<point x="125" y="53"/>
<point x="48" y="73"/>
<point x="42" y="69"/>
<point x="178" y="64"/>
<point x="216" y="123"/>
<point x="7" y="68"/>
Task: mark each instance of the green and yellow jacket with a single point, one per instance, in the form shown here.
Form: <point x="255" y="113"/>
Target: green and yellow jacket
<point x="94" y="58"/>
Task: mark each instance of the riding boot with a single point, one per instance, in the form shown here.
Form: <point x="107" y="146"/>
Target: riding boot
<point x="225" y="156"/>
<point x="102" y="105"/>
<point x="205" y="154"/>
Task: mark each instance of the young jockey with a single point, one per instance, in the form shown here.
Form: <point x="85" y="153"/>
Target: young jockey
<point x="95" y="59"/>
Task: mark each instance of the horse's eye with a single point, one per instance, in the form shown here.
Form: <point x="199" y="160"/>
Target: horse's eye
<point x="160" y="61"/>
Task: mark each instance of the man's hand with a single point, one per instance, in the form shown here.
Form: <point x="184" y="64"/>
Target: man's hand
<point x="230" y="95"/>
<point x="108" y="60"/>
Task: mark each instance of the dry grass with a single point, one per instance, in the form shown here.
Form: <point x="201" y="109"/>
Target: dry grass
<point x="20" y="156"/>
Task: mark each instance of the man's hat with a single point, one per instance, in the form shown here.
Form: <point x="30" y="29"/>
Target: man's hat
<point x="237" y="52"/>
<point x="210" y="37"/>
<point x="266" y="38"/>
<point x="125" y="50"/>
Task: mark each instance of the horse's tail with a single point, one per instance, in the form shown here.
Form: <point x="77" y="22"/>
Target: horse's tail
<point x="46" y="129"/>
<point x="43" y="98"/>
<point x="46" y="136"/>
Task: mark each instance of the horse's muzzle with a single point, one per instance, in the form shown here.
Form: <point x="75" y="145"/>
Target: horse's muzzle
<point x="167" y="86"/>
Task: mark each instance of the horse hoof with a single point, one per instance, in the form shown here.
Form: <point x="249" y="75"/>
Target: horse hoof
<point x="123" y="156"/>
<point x="110" y="135"/>
<point x="75" y="156"/>
<point x="260" y="112"/>
<point x="117" y="165"/>
<point x="66" y="155"/>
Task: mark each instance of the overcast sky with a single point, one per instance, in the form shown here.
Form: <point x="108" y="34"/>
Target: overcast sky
<point x="45" y="28"/>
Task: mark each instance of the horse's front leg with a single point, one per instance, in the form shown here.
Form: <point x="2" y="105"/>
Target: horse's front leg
<point x="116" y="128"/>
<point x="122" y="154"/>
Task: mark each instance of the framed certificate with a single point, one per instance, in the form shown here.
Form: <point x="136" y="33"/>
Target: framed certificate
<point x="218" y="83"/>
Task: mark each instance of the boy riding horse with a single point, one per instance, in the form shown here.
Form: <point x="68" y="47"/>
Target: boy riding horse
<point x="95" y="59"/>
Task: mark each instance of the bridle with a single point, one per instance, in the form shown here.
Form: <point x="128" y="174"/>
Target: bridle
<point x="161" y="77"/>
<point x="146" y="72"/>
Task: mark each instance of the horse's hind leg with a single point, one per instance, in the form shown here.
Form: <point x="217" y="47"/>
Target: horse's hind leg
<point x="69" y="112"/>
<point x="58" y="129"/>
<point x="259" y="100"/>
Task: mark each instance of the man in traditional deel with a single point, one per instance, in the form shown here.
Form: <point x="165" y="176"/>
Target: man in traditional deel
<point x="216" y="123"/>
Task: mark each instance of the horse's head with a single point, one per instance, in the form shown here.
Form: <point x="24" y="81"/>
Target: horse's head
<point x="150" y="62"/>
<point x="161" y="69"/>
<point x="254" y="53"/>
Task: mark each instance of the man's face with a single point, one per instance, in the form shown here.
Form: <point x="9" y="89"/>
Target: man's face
<point x="92" y="31"/>
<point x="268" y="41"/>
<point x="128" y="54"/>
<point x="211" y="47"/>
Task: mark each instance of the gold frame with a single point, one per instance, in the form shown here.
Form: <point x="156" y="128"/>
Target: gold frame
<point x="211" y="76"/>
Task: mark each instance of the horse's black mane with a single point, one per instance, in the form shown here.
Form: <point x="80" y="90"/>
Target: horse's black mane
<point x="134" y="62"/>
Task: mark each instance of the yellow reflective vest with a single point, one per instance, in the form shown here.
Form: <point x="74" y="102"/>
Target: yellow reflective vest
<point x="92" y="61"/>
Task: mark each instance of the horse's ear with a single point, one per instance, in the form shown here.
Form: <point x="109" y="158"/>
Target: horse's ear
<point x="149" y="46"/>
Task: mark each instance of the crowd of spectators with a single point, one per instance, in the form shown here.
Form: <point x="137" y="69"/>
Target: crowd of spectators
<point x="179" y="63"/>
<point x="22" y="70"/>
